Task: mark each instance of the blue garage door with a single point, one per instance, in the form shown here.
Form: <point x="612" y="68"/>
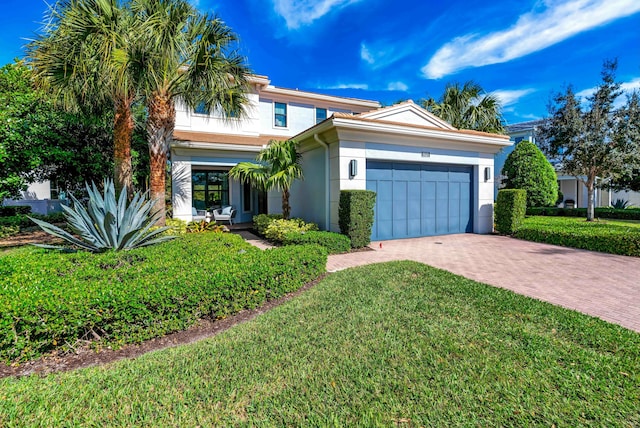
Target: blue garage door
<point x="420" y="200"/>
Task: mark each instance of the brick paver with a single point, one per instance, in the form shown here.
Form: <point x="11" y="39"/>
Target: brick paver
<point x="603" y="285"/>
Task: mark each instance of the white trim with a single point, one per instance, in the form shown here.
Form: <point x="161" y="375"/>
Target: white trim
<point x="321" y="97"/>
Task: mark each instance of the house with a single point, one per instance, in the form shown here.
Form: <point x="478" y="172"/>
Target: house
<point x="40" y="196"/>
<point x="430" y="178"/>
<point x="571" y="187"/>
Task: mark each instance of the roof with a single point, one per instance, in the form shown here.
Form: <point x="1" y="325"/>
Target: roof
<point x="206" y="137"/>
<point x="524" y="126"/>
<point x="411" y="125"/>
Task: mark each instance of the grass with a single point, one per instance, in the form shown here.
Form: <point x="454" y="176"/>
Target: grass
<point x="607" y="236"/>
<point x="394" y="344"/>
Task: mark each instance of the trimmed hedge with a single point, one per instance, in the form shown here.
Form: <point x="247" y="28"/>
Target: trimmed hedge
<point x="600" y="212"/>
<point x="12" y="210"/>
<point x="51" y="300"/>
<point x="599" y="236"/>
<point x="335" y="243"/>
<point x="355" y="215"/>
<point x="510" y="210"/>
<point x="527" y="168"/>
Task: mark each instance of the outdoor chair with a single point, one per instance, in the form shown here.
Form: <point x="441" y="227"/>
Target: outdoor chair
<point x="224" y="214"/>
<point x="199" y="215"/>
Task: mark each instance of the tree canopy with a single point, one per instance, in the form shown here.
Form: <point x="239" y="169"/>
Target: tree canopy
<point x="40" y="141"/>
<point x="527" y="168"/>
<point x="593" y="142"/>
<point x="468" y="107"/>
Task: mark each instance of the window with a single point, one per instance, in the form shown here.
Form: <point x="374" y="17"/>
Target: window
<point x="246" y="197"/>
<point x="280" y="116"/>
<point x="210" y="189"/>
<point x="321" y="114"/>
<point x="201" y="109"/>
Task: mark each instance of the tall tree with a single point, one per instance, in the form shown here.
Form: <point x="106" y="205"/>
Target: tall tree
<point x="591" y="142"/>
<point x="279" y="164"/>
<point x="628" y="132"/>
<point x="189" y="56"/>
<point x="89" y="55"/>
<point x="468" y="107"/>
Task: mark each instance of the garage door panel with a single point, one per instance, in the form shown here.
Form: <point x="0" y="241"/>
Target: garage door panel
<point x="420" y="200"/>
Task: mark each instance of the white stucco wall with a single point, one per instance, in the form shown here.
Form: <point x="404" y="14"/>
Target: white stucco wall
<point x="308" y="196"/>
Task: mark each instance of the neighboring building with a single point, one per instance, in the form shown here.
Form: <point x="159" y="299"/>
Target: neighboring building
<point x="430" y="178"/>
<point x="39" y="197"/>
<point x="571" y="188"/>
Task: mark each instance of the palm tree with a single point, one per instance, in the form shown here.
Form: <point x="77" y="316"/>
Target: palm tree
<point x="280" y="164"/>
<point x="89" y="57"/>
<point x="467" y="108"/>
<point x="188" y="57"/>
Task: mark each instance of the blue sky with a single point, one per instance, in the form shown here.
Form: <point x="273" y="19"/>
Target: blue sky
<point x="387" y="50"/>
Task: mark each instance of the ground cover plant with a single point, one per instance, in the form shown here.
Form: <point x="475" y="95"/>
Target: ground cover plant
<point x="607" y="236"/>
<point x="394" y="344"/>
<point x="51" y="300"/>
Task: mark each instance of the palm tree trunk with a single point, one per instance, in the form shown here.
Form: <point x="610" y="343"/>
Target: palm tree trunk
<point x="286" y="208"/>
<point x="122" y="133"/>
<point x="162" y="114"/>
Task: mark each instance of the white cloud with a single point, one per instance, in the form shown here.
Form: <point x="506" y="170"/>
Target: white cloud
<point x="532" y="32"/>
<point x="397" y="86"/>
<point x="345" y="86"/>
<point x="383" y="52"/>
<point x="509" y="97"/>
<point x="304" y="12"/>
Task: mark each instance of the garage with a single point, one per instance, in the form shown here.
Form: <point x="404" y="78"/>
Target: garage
<point x="416" y="199"/>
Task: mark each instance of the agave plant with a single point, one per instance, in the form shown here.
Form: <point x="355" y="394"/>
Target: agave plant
<point x="107" y="224"/>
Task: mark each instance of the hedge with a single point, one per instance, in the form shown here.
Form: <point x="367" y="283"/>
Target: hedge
<point x="335" y="243"/>
<point x="8" y="211"/>
<point x="600" y="212"/>
<point x="355" y="215"/>
<point x="51" y="300"/>
<point x="278" y="228"/>
<point x="575" y="233"/>
<point x="510" y="209"/>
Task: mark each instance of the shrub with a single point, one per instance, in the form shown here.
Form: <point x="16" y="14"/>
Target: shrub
<point x="205" y="226"/>
<point x="510" y="210"/>
<point x="176" y="226"/>
<point x="107" y="223"/>
<point x="278" y="229"/>
<point x="9" y="211"/>
<point x="600" y="212"/>
<point x="620" y="204"/>
<point x="262" y="221"/>
<point x="6" y="231"/>
<point x="527" y="168"/>
<point x="335" y="243"/>
<point x="51" y="300"/>
<point x="578" y="233"/>
<point x="355" y="216"/>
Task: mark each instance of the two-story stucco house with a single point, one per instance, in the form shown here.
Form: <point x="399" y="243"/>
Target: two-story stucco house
<point x="430" y="178"/>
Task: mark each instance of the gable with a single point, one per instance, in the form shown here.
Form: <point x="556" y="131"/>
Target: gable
<point x="408" y="113"/>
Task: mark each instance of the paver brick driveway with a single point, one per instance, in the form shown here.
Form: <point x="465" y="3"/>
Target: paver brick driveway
<point x="603" y="285"/>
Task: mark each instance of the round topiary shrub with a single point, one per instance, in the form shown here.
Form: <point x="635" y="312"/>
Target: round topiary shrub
<point x="527" y="168"/>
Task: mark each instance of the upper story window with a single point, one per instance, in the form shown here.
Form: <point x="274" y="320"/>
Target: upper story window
<point x="280" y="115"/>
<point x="321" y="114"/>
<point x="201" y="109"/>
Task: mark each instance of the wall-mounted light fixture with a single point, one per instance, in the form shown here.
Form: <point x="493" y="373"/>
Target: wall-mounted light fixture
<point x="487" y="173"/>
<point x="353" y="168"/>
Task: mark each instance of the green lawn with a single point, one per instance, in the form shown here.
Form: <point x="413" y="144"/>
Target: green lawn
<point x="607" y="236"/>
<point x="395" y="344"/>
